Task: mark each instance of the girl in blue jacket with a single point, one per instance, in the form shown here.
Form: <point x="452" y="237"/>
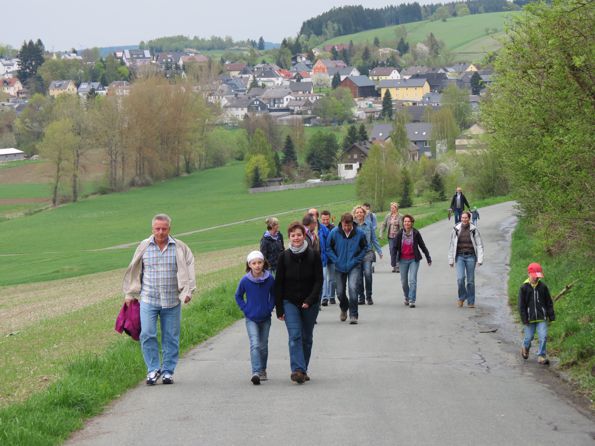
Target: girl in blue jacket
<point x="255" y="298"/>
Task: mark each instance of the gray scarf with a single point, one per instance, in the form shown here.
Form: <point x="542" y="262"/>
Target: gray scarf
<point x="300" y="249"/>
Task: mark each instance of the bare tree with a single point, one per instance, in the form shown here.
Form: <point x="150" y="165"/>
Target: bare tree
<point x="58" y="145"/>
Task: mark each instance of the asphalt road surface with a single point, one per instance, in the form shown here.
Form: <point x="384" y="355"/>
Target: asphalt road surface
<point x="434" y="374"/>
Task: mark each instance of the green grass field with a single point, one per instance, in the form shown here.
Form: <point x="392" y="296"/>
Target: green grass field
<point x="462" y="35"/>
<point x="63" y="242"/>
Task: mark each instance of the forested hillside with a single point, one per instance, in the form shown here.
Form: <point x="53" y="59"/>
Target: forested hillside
<point x="353" y="19"/>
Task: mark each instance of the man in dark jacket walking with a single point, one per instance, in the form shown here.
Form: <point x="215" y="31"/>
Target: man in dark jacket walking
<point x="346" y="248"/>
<point x="458" y="203"/>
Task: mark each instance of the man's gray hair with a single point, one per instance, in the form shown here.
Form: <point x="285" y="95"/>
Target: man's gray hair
<point x="161" y="217"/>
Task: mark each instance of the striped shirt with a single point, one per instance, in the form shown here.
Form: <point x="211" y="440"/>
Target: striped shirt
<point x="159" y="276"/>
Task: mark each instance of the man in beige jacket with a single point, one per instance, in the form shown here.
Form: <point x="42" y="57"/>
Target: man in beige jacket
<point x="161" y="275"/>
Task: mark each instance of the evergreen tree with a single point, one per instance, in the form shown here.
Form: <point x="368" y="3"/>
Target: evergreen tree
<point x="253" y="83"/>
<point x="387" y="105"/>
<point x="336" y="80"/>
<point x="289" y="155"/>
<point x="366" y="56"/>
<point x="476" y="83"/>
<point x="31" y="58"/>
<point x="351" y="137"/>
<point x="334" y="53"/>
<point x="402" y="46"/>
<point x="261" y="43"/>
<point x="362" y="134"/>
<point x="322" y="151"/>
<point x="437" y="185"/>
<point x="406" y="201"/>
<point x="376" y="42"/>
<point x="434" y="45"/>
<point x="346" y="56"/>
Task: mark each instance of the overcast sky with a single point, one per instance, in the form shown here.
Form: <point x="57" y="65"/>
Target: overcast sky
<point x="64" y="24"/>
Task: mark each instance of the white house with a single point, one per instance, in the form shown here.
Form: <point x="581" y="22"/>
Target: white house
<point x="352" y="160"/>
<point x="9" y="66"/>
<point x="11" y="154"/>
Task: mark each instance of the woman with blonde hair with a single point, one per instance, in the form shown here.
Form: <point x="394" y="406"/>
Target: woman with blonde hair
<point x="271" y="243"/>
<point x="393" y="222"/>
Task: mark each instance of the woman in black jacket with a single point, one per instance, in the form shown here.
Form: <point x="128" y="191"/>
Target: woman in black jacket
<point x="298" y="284"/>
<point x="406" y="251"/>
<point x="271" y="243"/>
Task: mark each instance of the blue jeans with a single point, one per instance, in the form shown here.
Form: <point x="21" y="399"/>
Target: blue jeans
<point x="465" y="265"/>
<point x="170" y="319"/>
<point x="392" y="242"/>
<point x="328" y="287"/>
<point x="258" y="333"/>
<point x="300" y="329"/>
<point x="541" y="335"/>
<point x="457" y="213"/>
<point x="350" y="279"/>
<point x="409" y="278"/>
<point x="365" y="281"/>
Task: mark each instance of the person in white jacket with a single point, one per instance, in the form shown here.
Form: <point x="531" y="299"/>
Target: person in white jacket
<point x="465" y="250"/>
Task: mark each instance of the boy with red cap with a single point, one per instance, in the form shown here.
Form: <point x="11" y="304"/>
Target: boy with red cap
<point x="535" y="307"/>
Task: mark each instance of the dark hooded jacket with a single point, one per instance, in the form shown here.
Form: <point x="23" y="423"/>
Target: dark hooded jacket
<point x="535" y="303"/>
<point x="271" y="247"/>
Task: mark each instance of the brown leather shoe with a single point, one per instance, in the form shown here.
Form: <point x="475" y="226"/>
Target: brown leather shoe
<point x="460" y="303"/>
<point x="298" y="377"/>
<point x="343" y="316"/>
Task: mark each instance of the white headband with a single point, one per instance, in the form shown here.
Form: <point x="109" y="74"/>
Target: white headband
<point x="254" y="255"/>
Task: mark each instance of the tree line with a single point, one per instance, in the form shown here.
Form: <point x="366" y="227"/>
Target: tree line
<point x="160" y="130"/>
<point x="180" y="43"/>
<point x="352" y="19"/>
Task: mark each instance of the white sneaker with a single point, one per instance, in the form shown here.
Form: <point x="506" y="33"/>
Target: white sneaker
<point x="168" y="378"/>
<point x="152" y="377"/>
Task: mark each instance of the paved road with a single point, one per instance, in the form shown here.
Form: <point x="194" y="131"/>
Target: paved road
<point x="424" y="376"/>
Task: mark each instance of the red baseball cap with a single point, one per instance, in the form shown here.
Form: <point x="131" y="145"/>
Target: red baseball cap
<point x="535" y="270"/>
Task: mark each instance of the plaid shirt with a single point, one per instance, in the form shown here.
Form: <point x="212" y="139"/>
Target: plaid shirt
<point x="159" y="277"/>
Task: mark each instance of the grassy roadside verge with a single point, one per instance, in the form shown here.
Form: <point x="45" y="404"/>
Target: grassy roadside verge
<point x="92" y="380"/>
<point x="571" y="336"/>
<point x="82" y="355"/>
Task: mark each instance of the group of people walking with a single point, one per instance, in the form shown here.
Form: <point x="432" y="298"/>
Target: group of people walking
<point x="320" y="261"/>
<point x="323" y="259"/>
